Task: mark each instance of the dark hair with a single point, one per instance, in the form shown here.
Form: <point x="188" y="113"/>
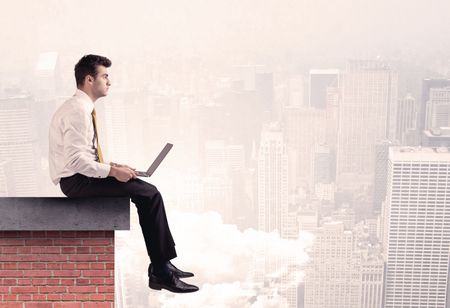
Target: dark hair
<point x="88" y="66"/>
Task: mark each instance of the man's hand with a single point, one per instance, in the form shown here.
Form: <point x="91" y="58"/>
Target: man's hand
<point x="122" y="173"/>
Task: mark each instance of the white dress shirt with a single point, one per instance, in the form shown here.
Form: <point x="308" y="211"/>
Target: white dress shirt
<point x="71" y="140"/>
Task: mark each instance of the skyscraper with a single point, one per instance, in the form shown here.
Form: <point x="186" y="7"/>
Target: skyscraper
<point x="319" y="81"/>
<point x="417" y="227"/>
<point x="18" y="143"/>
<point x="367" y="114"/>
<point x="272" y="181"/>
<point x="406" y="120"/>
<point x="333" y="278"/>
<point x="428" y="84"/>
<point x="438" y="108"/>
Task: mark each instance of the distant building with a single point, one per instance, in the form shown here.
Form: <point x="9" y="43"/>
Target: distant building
<point x="438" y="108"/>
<point x="320" y="80"/>
<point x="367" y="114"/>
<point x="427" y="85"/>
<point x="436" y="137"/>
<point x="417" y="227"/>
<point x="406" y="120"/>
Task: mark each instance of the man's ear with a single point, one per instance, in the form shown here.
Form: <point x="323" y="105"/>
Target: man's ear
<point x="89" y="78"/>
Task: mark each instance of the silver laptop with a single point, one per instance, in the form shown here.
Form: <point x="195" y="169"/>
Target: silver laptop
<point x="156" y="162"/>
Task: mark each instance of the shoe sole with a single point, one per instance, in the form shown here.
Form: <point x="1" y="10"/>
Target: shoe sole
<point x="157" y="286"/>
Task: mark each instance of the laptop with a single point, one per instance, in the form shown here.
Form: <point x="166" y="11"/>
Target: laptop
<point x="156" y="162"/>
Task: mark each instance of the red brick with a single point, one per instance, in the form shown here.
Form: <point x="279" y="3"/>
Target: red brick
<point x="53" y="281"/>
<point x="10" y="266"/>
<point x="97" y="273"/>
<point x="97" y="281"/>
<point x="11" y="242"/>
<point x="98" y="305"/>
<point x="97" y="297"/>
<point x="81" y="296"/>
<point x="39" y="297"/>
<point x="39" y="242"/>
<point x="36" y="234"/>
<point x="26" y="289"/>
<point x="82" y="289"/>
<point x="38" y="273"/>
<point x="97" y="242"/>
<point x="98" y="234"/>
<point x="10" y="297"/>
<point x="9" y="250"/>
<point x="54" y="297"/>
<point x="68" y="266"/>
<point x="83" y="282"/>
<point x="98" y="249"/>
<point x="109" y="281"/>
<point x="52" y="258"/>
<point x="97" y="266"/>
<point x="24" y="265"/>
<point x="68" y="250"/>
<point x="67" y="282"/>
<point x="82" y="266"/>
<point x="24" y="297"/>
<point x="109" y="297"/>
<point x="106" y="258"/>
<point x="54" y="234"/>
<point x="109" y="265"/>
<point x="24" y="250"/>
<point x="38" y="266"/>
<point x="68" y="297"/>
<point x="67" y="273"/>
<point x="11" y="273"/>
<point x="52" y="289"/>
<point x="4" y="290"/>
<point x="83" y="249"/>
<point x="83" y="258"/>
<point x="24" y="282"/>
<point x="54" y="266"/>
<point x="11" y="305"/>
<point x="45" y="250"/>
<point x="38" y="305"/>
<point x="68" y="234"/>
<point x="67" y="242"/>
<point x="105" y="289"/>
<point x="8" y="282"/>
<point x="68" y="305"/>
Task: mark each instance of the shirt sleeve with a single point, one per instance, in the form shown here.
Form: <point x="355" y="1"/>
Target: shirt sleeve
<point x="78" y="145"/>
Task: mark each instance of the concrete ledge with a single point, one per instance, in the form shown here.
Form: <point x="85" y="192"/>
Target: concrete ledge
<point x="51" y="214"/>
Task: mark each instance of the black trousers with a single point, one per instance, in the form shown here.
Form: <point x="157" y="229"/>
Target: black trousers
<point x="148" y="200"/>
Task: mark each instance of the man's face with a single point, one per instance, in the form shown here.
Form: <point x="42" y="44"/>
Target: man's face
<point x="100" y="84"/>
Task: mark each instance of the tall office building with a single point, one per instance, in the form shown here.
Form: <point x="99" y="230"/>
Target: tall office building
<point x="367" y="114"/>
<point x="333" y="278"/>
<point x="18" y="143"/>
<point x="427" y="85"/>
<point x="372" y="277"/>
<point x="380" y="173"/>
<point x="272" y="181"/>
<point x="438" y="108"/>
<point x="406" y="120"/>
<point x="436" y="137"/>
<point x="319" y="82"/>
<point x="417" y="227"/>
<point x="304" y="130"/>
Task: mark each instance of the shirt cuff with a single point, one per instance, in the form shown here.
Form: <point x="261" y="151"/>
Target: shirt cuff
<point x="103" y="170"/>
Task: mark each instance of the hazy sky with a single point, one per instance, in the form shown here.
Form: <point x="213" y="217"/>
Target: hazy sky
<point x="211" y="28"/>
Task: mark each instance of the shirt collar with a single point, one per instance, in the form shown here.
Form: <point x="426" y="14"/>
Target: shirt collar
<point x="85" y="99"/>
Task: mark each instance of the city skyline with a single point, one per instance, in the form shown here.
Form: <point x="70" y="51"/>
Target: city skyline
<point x="288" y="122"/>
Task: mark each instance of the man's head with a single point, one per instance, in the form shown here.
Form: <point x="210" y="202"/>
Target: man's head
<point x="92" y="76"/>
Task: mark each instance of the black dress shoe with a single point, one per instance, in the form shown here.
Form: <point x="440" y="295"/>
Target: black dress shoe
<point x="177" y="272"/>
<point x="171" y="283"/>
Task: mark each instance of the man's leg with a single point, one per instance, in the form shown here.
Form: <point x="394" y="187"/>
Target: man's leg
<point x="152" y="218"/>
<point x="148" y="200"/>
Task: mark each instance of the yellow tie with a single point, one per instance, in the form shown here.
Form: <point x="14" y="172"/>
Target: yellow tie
<point x="99" y="150"/>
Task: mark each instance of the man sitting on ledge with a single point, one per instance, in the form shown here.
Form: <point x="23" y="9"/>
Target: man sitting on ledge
<point x="77" y="164"/>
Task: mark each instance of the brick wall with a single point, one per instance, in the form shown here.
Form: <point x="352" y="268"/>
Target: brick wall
<point x="55" y="269"/>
